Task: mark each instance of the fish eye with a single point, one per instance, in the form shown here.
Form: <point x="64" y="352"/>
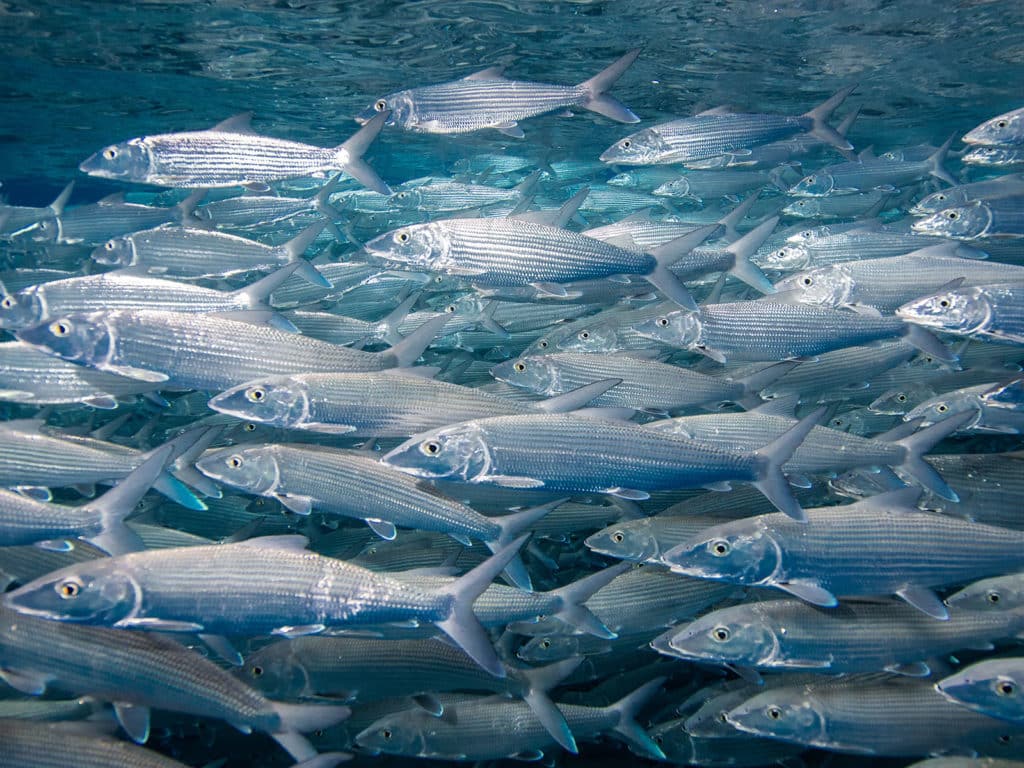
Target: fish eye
<point x="402" y="195"/>
<point x="519" y="367"/>
<point x="1005" y="688"/>
<point x="773" y="712"/>
<point x="993" y="597"/>
<point x="626" y="143"/>
<point x="662" y="322"/>
<point x="7" y="303"/>
<point x="110" y="153"/>
<point x="450" y="309"/>
<point x="721" y="634"/>
<point x="942" y="408"/>
<point x="543" y="345"/>
<point x="257" y="671"/>
<point x="584" y="335"/>
<point x="439" y="279"/>
<point x="944" y="303"/>
<point x="940" y="197"/>
<point x="60" y="328"/>
<point x="545" y="643"/>
<point x="402" y="237"/>
<point x="618" y="537"/>
<point x="430" y="447"/>
<point x="109" y="245"/>
<point x="901" y="398"/>
<point x="235" y="461"/>
<point x="952" y="215"/>
<point x="659" y="740"/>
<point x="807" y="281"/>
<point x="319" y="732"/>
<point x="249" y="427"/>
<point x="1001" y="124"/>
<point x="69" y="589"/>
<point x="720" y="548"/>
<point x="380" y="105"/>
<point x="386" y="733"/>
<point x="1004" y="738"/>
<point x="255" y="394"/>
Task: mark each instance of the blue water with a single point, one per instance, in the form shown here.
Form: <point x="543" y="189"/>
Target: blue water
<point x="79" y="76"/>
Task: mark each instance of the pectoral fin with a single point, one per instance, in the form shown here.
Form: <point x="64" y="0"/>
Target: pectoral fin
<point x="812" y="593"/>
<point x="134" y="719"/>
<point x="924" y="600"/>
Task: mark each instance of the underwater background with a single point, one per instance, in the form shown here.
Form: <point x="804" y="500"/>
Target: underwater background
<point x="79" y="76"/>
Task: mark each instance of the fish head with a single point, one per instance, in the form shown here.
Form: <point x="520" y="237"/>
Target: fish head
<point x="1005" y="129"/>
<point x="116" y="252"/>
<point x="280" y="401"/>
<point x="786" y="713"/>
<point x="128" y="161"/>
<point x="817" y="184"/>
<point x="84" y="338"/>
<point x="805" y="208"/>
<point x="458" y="452"/>
<point x="254" y="469"/>
<point x="1004" y="594"/>
<point x="676" y="188"/>
<point x="787" y="258"/>
<point x="401" y="733"/>
<point x="641" y="148"/>
<point x="823" y="286"/>
<point x="731" y="636"/>
<point x="963" y="311"/>
<point x="995" y="687"/>
<point x="624" y="179"/>
<point x="634" y="541"/>
<point x="407" y="199"/>
<point x="935" y="202"/>
<point x="415" y="247"/>
<point x="742" y="553"/>
<point x="945" y="405"/>
<point x="681" y="328"/>
<point x="547" y="649"/>
<point x="23" y="309"/>
<point x="536" y="374"/>
<point x="993" y="156"/>
<point x="46" y="230"/>
<point x="277" y="672"/>
<point x="899" y="401"/>
<point x="601" y="337"/>
<point x="402" y="109"/>
<point x="94" y="592"/>
<point x="961" y="222"/>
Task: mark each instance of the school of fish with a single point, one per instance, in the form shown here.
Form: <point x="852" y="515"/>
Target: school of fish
<point x="703" y="445"/>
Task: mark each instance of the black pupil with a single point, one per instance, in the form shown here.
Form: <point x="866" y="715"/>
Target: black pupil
<point x="257" y="671"/>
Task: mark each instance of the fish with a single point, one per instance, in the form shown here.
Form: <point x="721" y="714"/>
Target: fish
<point x="146" y="591"/>
<point x="992" y="310"/>
<point x="997" y="218"/>
<point x="961" y="194"/>
<point x="991" y="687"/>
<point x="486" y="99"/>
<point x="1005" y="130"/>
<point x="521" y="451"/>
<point x="804" y="559"/>
<point x="719" y="132"/>
<point x="231" y="154"/>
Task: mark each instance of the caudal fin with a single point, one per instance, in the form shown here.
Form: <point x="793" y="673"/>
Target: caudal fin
<point x="461" y="624"/>
<point x="772" y="482"/>
<point x="743" y="268"/>
<point x="513" y="526"/>
<point x="668" y="254"/>
<point x="819" y="116"/>
<point x="601" y="103"/>
<point x="537" y="683"/>
<point x="573" y="596"/>
<point x="407" y="351"/>
<point x="935" y="163"/>
<point x="350" y="155"/>
<point x="627" y="709"/>
<point x="923" y="441"/>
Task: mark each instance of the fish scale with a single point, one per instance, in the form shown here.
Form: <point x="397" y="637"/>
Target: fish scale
<point x="49" y="745"/>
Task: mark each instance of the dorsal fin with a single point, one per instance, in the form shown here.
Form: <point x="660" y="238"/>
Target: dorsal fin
<point x="240" y="123"/>
<point x="496" y="72"/>
<point x="116" y="198"/>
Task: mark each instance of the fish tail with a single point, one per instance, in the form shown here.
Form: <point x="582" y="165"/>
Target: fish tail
<point x="513" y="526"/>
<point x="407" y="351"/>
<point x="935" y="163"/>
<point x="541" y="680"/>
<point x="296" y="719"/>
<point x="772" y="482"/>
<point x="743" y="268"/>
<point x="461" y="624"/>
<point x="732" y="219"/>
<point x="572" y="596"/>
<point x="627" y="708"/>
<point x="350" y="155"/>
<point x="598" y="101"/>
<point x="115" y="505"/>
<point x="819" y="116"/>
<point x="668" y="254"/>
<point x="923" y="441"/>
